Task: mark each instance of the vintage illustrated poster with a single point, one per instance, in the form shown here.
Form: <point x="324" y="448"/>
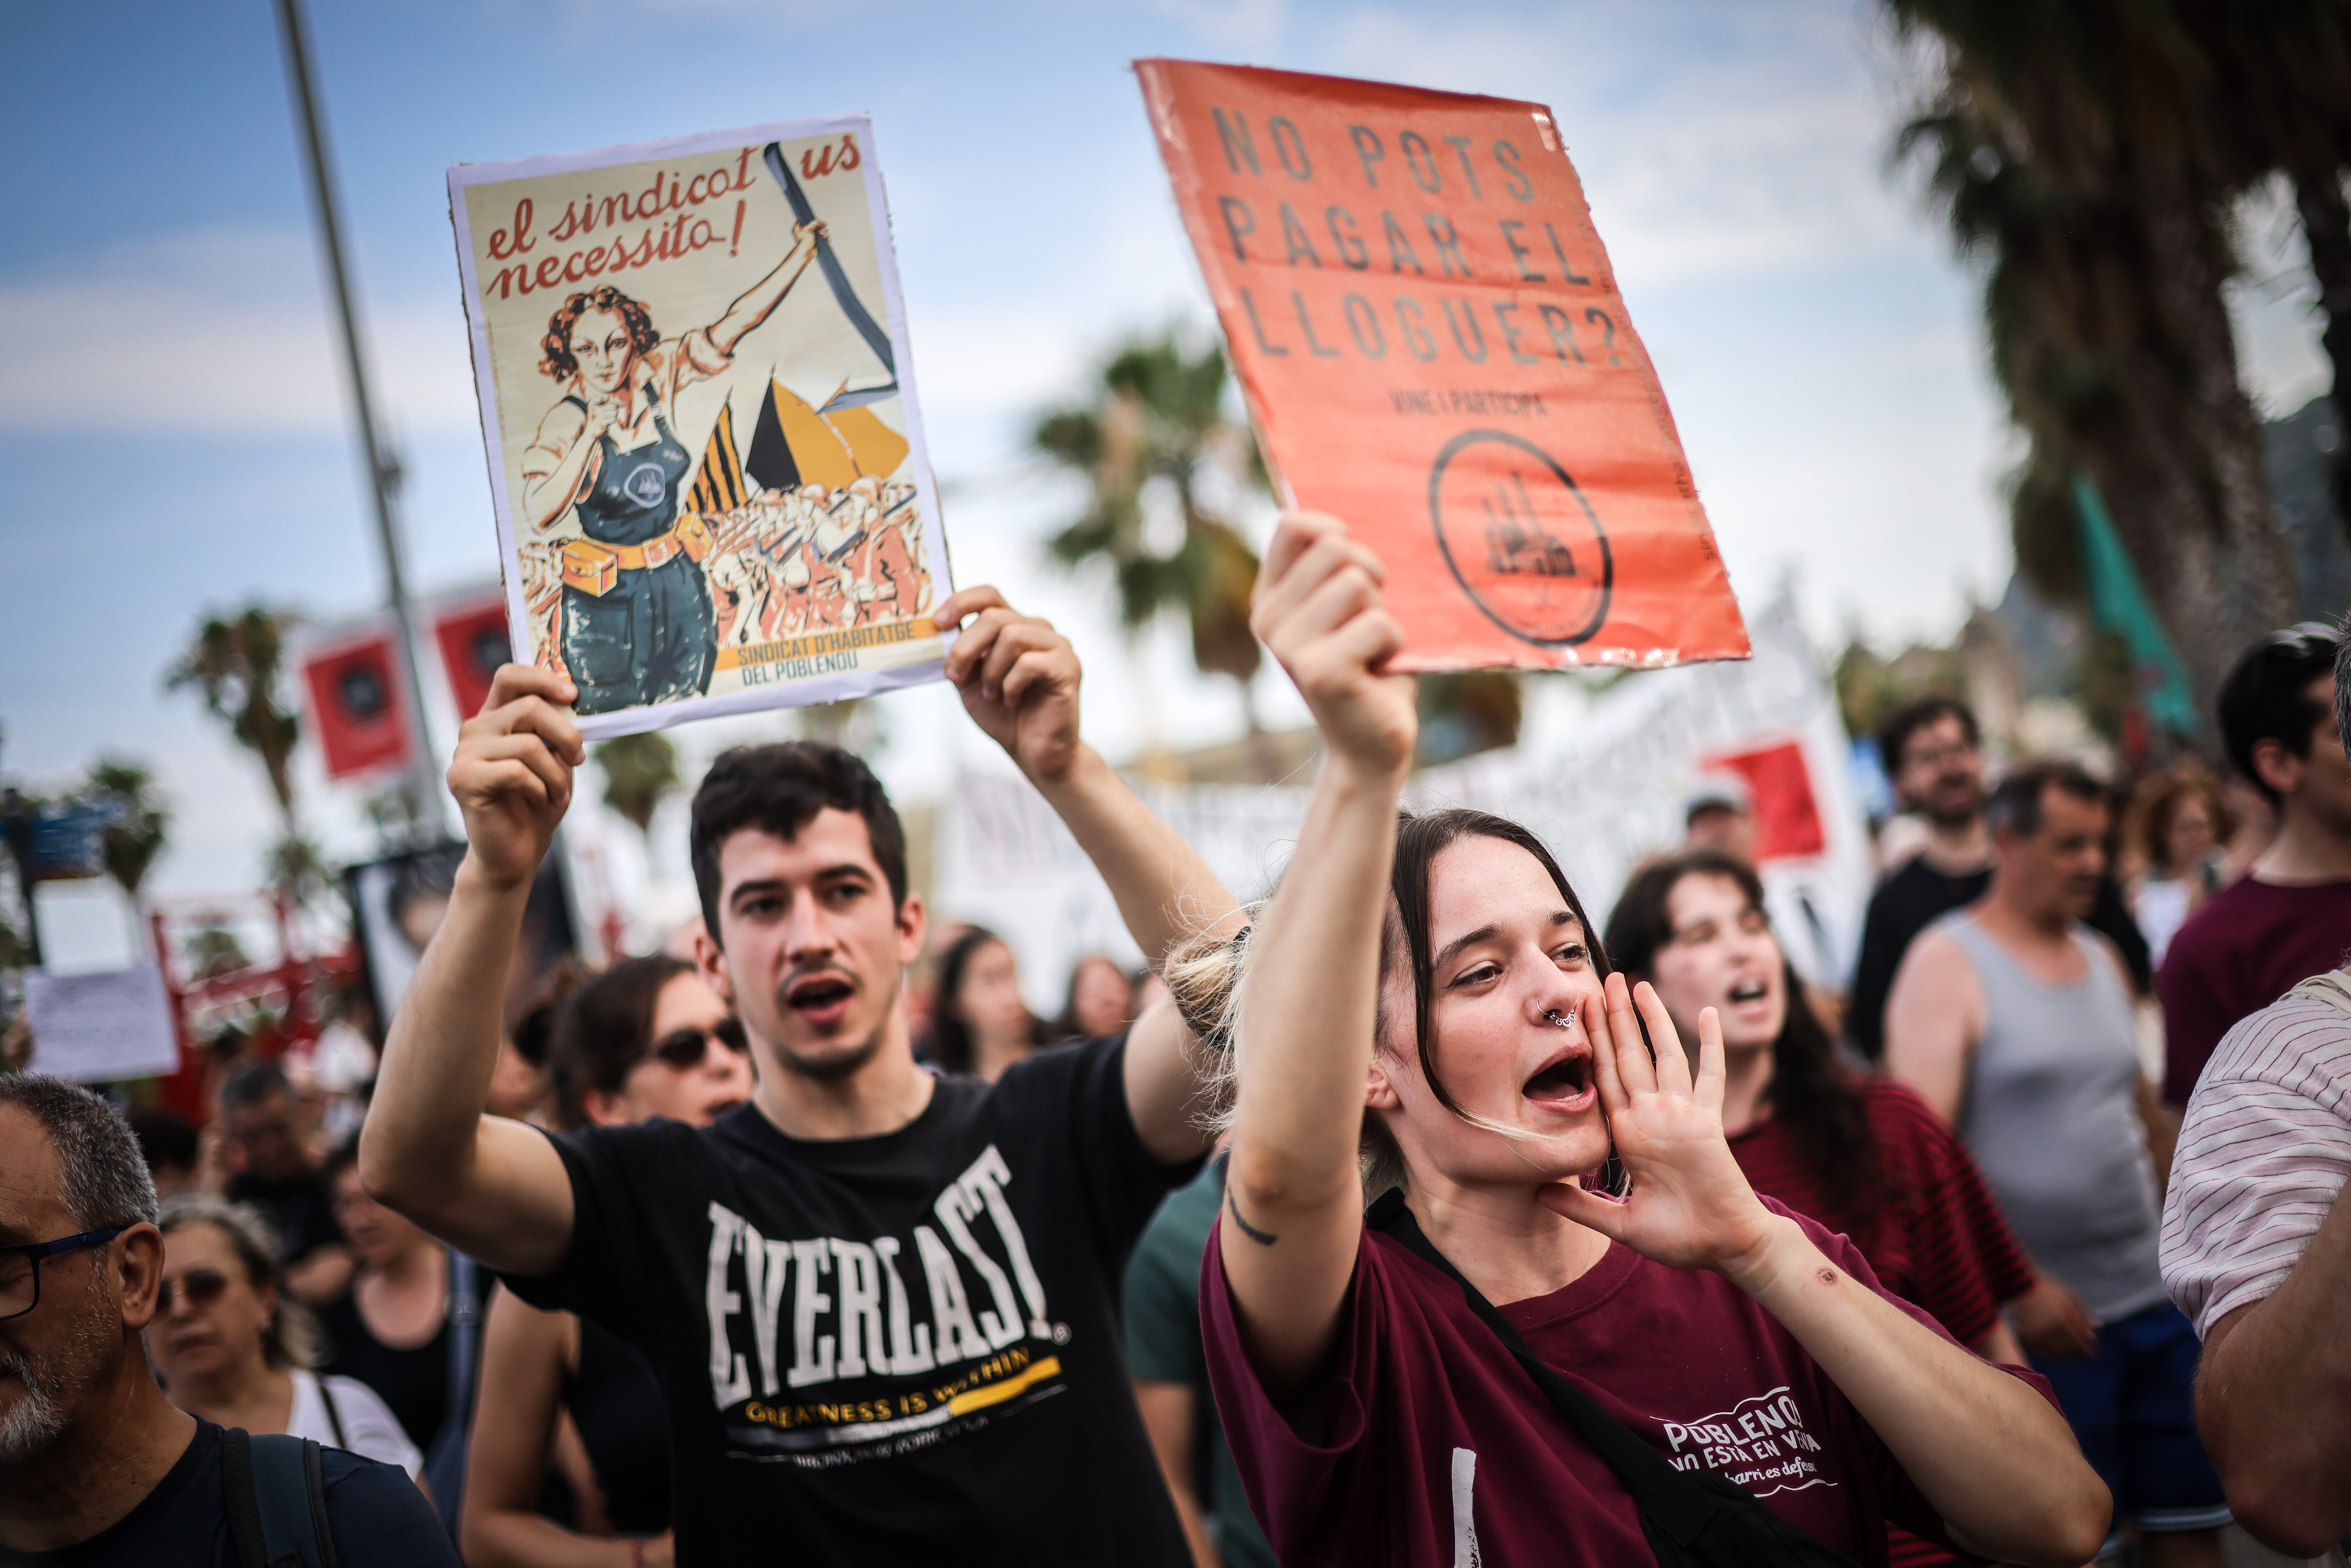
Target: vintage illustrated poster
<point x="711" y="485"/>
<point x="1433" y="348"/>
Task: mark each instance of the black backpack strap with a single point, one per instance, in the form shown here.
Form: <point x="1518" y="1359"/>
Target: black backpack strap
<point x="237" y="1498"/>
<point x="1682" y="1505"/>
<point x="275" y="1490"/>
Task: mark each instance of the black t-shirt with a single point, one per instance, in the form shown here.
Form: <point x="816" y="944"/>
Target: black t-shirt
<point x="376" y="1515"/>
<point x="414" y="1383"/>
<point x="300" y="1207"/>
<point x="623" y="1424"/>
<point x="899" y="1349"/>
<point x="1913" y="898"/>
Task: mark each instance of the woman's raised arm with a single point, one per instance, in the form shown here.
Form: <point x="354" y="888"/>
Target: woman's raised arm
<point x="754" y="304"/>
<point x="1294" y="1202"/>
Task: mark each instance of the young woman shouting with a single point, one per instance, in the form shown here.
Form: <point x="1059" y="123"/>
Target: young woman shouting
<point x="1430" y="994"/>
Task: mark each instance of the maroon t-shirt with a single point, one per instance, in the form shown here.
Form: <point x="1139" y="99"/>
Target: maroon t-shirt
<point x="1440" y="1449"/>
<point x="2251" y="945"/>
<point x="1936" y="1237"/>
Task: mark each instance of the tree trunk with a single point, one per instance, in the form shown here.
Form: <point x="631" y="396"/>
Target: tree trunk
<point x="2326" y="224"/>
<point x="2217" y="566"/>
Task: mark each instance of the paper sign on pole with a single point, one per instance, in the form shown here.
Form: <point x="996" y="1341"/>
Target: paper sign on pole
<point x="357" y="699"/>
<point x="98" y="1028"/>
<point x="1434" y="349"/>
<point x="711" y="485"/>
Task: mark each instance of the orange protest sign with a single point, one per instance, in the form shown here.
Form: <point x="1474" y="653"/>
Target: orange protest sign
<point x="1433" y="348"/>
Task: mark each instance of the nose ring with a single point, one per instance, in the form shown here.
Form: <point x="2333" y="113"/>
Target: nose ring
<point x="1558" y="1020"/>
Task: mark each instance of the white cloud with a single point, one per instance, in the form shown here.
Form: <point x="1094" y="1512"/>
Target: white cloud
<point x="1762" y="151"/>
<point x="215" y="332"/>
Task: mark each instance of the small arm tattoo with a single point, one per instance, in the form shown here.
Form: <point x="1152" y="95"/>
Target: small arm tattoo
<point x="1262" y="1238"/>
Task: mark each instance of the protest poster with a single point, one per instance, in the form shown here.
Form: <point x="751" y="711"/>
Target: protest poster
<point x="1433" y="347"/>
<point x="100" y="1028"/>
<point x="709" y="476"/>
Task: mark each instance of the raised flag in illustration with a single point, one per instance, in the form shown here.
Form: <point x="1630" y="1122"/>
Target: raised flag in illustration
<point x="710" y="481"/>
<point x="1433" y="347"/>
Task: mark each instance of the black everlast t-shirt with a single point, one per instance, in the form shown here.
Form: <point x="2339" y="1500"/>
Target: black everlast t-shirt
<point x="901" y="1349"/>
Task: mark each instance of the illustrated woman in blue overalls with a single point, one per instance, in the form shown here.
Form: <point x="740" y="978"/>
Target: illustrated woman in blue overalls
<point x="636" y="624"/>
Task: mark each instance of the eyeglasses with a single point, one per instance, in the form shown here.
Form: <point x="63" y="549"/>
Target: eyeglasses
<point x="20" y="1267"/>
<point x="684" y="1048"/>
<point x="203" y="1287"/>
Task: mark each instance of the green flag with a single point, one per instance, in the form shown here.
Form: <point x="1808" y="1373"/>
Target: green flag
<point x="2118" y="605"/>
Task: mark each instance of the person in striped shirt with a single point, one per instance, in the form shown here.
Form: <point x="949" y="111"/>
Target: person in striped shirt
<point x="2257" y="1252"/>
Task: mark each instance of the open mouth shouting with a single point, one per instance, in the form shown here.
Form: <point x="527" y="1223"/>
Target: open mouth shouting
<point x="1563" y="1083"/>
<point x="1757" y="989"/>
<point x="820" y="1000"/>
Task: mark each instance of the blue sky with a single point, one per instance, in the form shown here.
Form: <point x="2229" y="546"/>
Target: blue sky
<point x="172" y="422"/>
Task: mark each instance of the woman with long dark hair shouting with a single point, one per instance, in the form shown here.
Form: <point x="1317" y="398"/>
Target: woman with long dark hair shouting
<point x="1431" y="994"/>
<point x="1862" y="1153"/>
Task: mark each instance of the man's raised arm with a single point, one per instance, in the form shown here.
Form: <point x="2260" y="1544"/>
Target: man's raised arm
<point x="1019" y="678"/>
<point x="491" y="1187"/>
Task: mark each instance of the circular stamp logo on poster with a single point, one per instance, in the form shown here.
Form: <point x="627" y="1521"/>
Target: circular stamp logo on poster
<point x="1523" y="543"/>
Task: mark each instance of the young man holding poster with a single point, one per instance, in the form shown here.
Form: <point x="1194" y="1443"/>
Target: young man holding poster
<point x="883" y="1306"/>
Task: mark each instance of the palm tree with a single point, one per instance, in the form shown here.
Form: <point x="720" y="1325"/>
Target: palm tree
<point x="1154" y="429"/>
<point x="2072" y="145"/>
<point x="235" y="662"/>
<point x="296" y="871"/>
<point x="138" y="836"/>
<point x="2281" y="72"/>
<point x="639" y="770"/>
<point x="213" y="951"/>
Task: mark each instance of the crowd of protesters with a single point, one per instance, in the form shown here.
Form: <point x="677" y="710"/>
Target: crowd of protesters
<point x="1413" y="1215"/>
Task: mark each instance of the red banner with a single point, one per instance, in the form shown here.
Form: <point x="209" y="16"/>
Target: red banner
<point x="472" y="638"/>
<point x="1434" y="349"/>
<point x="1787" y="817"/>
<point x="357" y="706"/>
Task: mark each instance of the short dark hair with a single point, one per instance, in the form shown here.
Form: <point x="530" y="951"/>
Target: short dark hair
<point x="604" y="1029"/>
<point x="1913" y="716"/>
<point x="779" y="789"/>
<point x="2015" y="804"/>
<point x="166" y="1137"/>
<point x="252" y="1085"/>
<point x="101" y="1174"/>
<point x="2343" y="686"/>
<point x="2267" y="695"/>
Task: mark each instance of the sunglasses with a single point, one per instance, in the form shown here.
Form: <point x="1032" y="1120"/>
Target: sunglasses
<point x="684" y="1048"/>
<point x="203" y="1287"/>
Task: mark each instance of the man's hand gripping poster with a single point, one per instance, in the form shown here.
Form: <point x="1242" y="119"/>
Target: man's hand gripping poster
<point x="1433" y="347"/>
<point x="709" y="475"/>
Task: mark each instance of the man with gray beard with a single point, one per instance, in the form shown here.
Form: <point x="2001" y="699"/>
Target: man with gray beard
<point x="96" y="1466"/>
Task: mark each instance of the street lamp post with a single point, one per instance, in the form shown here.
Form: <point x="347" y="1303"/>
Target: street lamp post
<point x="383" y="468"/>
